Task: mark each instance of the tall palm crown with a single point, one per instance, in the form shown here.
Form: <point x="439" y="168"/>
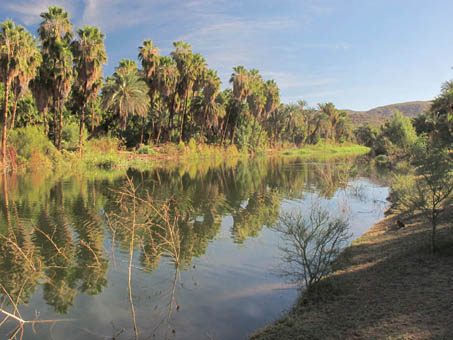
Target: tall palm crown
<point x="272" y="94"/>
<point x="55" y="32"/>
<point x="148" y="54"/>
<point x="55" y="27"/>
<point x="125" y="93"/>
<point x="167" y="76"/>
<point x="89" y="55"/>
<point x="9" y="47"/>
<point x="257" y="97"/>
<point x="184" y="59"/>
<point x="240" y="81"/>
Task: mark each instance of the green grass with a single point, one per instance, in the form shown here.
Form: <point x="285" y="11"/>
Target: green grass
<point x="328" y="149"/>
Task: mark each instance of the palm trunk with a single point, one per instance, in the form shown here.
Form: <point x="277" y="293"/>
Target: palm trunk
<point x="158" y="134"/>
<point x="170" y="118"/>
<point x="233" y="134"/>
<point x="55" y="131"/>
<point x="259" y="136"/>
<point x="182" y="120"/>
<point x="226" y="127"/>
<point x="92" y="117"/>
<point x="44" y="116"/>
<point x="253" y="130"/>
<point x="82" y="118"/>
<point x="142" y="132"/>
<point x="5" y="118"/>
<point x="13" y="117"/>
<point x="60" y="125"/>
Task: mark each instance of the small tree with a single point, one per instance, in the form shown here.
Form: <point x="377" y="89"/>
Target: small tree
<point x="430" y="190"/>
<point x="311" y="244"/>
<point x="435" y="184"/>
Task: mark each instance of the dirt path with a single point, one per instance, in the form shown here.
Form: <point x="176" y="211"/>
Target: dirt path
<point x="390" y="287"/>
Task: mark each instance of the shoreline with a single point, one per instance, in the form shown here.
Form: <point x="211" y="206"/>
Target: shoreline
<point x="105" y="157"/>
<point x="387" y="285"/>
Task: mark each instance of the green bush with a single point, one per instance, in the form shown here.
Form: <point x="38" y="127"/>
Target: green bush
<point x="70" y="136"/>
<point x="102" y="153"/>
<point x="181" y="147"/>
<point x="192" y="145"/>
<point x="31" y="142"/>
<point x="146" y="150"/>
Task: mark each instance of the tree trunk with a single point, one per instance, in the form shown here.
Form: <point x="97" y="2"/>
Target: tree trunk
<point x="92" y="117"/>
<point x="182" y="120"/>
<point x="142" y="132"/>
<point x="82" y="118"/>
<point x="44" y="117"/>
<point x="60" y="125"/>
<point x="233" y="134"/>
<point x="253" y="132"/>
<point x="13" y="117"/>
<point x="5" y="118"/>
<point x="226" y="127"/>
<point x="158" y="134"/>
<point x="433" y="234"/>
<point x="170" y="117"/>
<point x="55" y="130"/>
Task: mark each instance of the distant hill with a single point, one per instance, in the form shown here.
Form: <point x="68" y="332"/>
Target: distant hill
<point x="380" y="114"/>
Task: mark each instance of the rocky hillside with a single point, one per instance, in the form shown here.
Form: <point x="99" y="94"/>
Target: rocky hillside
<point x="380" y="114"/>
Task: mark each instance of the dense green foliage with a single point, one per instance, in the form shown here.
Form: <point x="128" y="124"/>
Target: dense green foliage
<point x="174" y="98"/>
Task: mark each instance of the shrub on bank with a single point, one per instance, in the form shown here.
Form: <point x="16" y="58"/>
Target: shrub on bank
<point x="70" y="136"/>
<point x="32" y="147"/>
<point x="103" y="153"/>
<point x="311" y="244"/>
<point x="146" y="150"/>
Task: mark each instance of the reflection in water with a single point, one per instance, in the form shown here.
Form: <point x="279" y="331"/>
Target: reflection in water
<point x="61" y="237"/>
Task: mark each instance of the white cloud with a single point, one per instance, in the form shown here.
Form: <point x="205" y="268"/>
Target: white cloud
<point x="28" y="11"/>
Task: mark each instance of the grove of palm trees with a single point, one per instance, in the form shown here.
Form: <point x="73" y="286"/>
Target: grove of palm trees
<point x="54" y="83"/>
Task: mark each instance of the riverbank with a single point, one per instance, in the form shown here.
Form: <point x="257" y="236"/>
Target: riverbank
<point x="387" y="286"/>
<point x="108" y="153"/>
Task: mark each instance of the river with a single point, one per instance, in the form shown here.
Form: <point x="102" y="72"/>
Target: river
<point x="183" y="251"/>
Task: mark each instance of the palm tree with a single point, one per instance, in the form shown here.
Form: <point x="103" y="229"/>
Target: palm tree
<point x="30" y="62"/>
<point x="167" y="76"/>
<point x="332" y="115"/>
<point x="19" y="60"/>
<point x="89" y="54"/>
<point x="256" y="99"/>
<point x="42" y="92"/>
<point x="240" y="81"/>
<point x="125" y="94"/>
<point x="206" y="110"/>
<point x="272" y="102"/>
<point x="55" y="32"/>
<point x="191" y="68"/>
<point x="148" y="54"/>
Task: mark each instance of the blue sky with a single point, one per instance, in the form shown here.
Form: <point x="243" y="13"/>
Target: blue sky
<point x="358" y="54"/>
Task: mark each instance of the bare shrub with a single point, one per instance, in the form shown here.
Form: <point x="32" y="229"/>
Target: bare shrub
<point x="311" y="243"/>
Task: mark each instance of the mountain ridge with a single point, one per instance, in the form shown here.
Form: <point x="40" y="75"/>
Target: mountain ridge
<point x="380" y="114"/>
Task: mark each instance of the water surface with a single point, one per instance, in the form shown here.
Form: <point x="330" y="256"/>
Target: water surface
<point x="182" y="251"/>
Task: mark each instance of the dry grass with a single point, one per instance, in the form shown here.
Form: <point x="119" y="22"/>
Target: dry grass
<point x="388" y="286"/>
